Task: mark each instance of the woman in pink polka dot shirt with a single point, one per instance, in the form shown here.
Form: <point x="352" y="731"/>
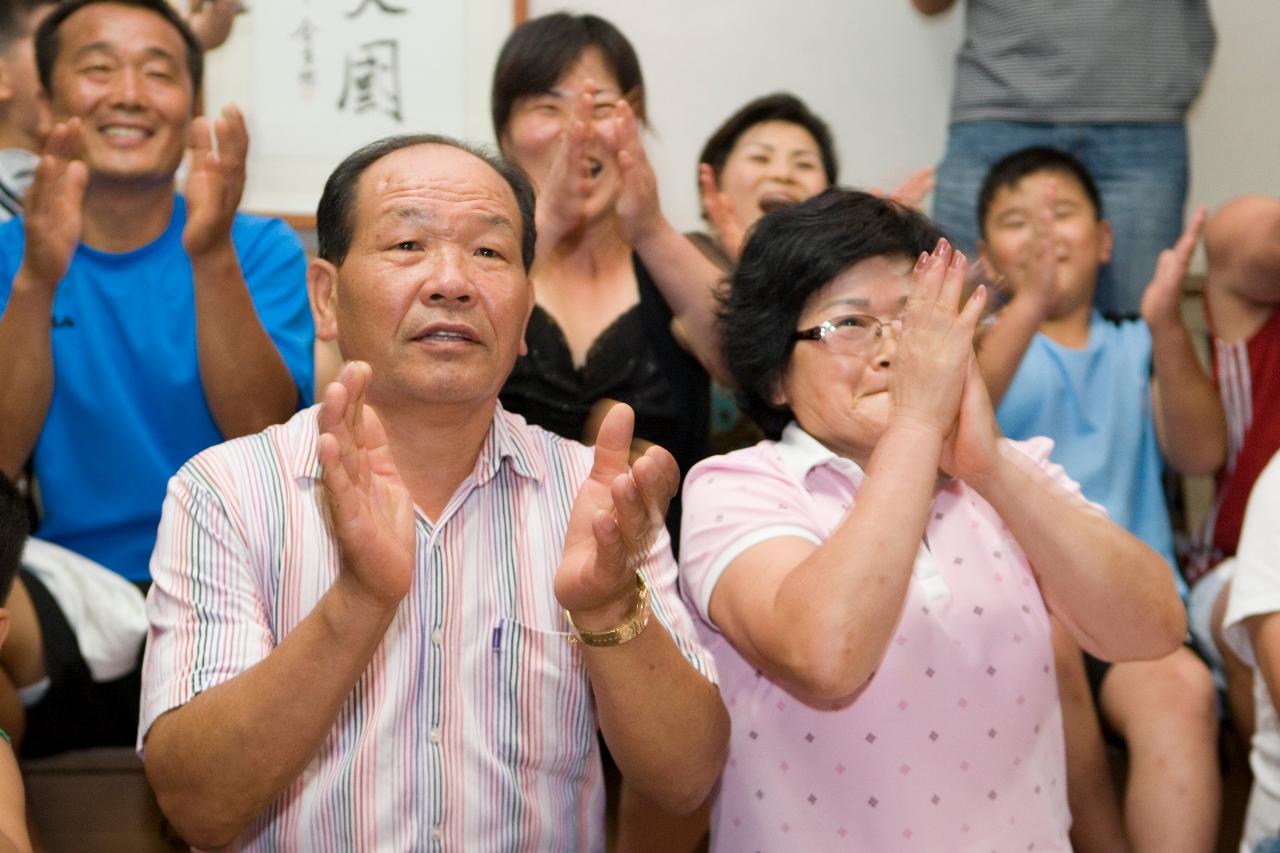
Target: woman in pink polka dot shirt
<point x="876" y="581"/>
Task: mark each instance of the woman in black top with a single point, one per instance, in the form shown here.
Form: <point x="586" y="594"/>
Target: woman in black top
<point x="625" y="304"/>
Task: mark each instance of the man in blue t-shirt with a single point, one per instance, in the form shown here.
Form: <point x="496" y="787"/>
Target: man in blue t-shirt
<point x="1114" y="397"/>
<point x="139" y="326"/>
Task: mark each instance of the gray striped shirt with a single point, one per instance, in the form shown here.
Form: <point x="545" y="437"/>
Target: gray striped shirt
<point x="1082" y="60"/>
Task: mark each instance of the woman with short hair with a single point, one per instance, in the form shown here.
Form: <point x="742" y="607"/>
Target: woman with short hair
<point x="876" y="580"/>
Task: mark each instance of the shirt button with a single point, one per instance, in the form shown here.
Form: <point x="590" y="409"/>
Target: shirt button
<point x="437" y="833"/>
<point x="436" y="636"/>
<point x="434" y="735"/>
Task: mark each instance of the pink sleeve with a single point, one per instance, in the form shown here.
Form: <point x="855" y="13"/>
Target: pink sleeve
<point x="732" y="503"/>
<point x="1036" y="451"/>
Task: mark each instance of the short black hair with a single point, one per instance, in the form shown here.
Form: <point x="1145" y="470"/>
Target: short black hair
<point x="15" y="524"/>
<point x="48" y="44"/>
<point x="780" y="106"/>
<point x="793" y="253"/>
<point x="541" y="51"/>
<point x="335" y="217"/>
<point x="15" y="20"/>
<point x="1011" y="169"/>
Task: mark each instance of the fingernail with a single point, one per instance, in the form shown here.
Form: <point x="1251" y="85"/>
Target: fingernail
<point x="958" y="260"/>
<point x="922" y="261"/>
<point x="941" y="247"/>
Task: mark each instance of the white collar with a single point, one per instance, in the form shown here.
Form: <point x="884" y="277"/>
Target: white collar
<point x="801" y="453"/>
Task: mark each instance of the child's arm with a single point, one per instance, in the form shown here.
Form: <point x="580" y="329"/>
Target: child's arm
<point x="1242" y="283"/>
<point x="1190" y="424"/>
<point x="1001" y="349"/>
<point x="13" y="808"/>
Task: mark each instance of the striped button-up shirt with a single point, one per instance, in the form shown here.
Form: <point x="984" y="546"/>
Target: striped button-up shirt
<point x="473" y="727"/>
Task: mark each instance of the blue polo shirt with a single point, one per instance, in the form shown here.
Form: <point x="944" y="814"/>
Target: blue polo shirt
<point x="1095" y="403"/>
<point x="128" y="407"/>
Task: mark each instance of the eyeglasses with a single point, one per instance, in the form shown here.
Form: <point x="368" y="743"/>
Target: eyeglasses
<point x="848" y="334"/>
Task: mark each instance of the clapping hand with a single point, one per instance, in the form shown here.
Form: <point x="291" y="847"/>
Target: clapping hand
<point x="936" y="343"/>
<point x="52" y="207"/>
<point x="216" y="180"/>
<point x="562" y="197"/>
<point x="637" y="203"/>
<point x="614" y="522"/>
<point x="1038" y="265"/>
<point x="1162" y="299"/>
<point x="912" y="191"/>
<point x="970" y="451"/>
<point x="719" y="211"/>
<point x="369" y="507"/>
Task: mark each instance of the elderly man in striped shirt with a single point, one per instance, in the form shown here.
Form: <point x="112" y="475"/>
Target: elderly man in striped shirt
<point x="397" y="621"/>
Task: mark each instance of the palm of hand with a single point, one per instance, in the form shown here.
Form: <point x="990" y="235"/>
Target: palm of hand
<point x="578" y="582"/>
<point x="369" y="507"/>
<point x="53" y="205"/>
<point x="216" y="180"/>
<point x="615" y="518"/>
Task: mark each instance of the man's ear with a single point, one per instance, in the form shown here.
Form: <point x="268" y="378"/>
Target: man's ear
<point x="4" y="625"/>
<point x="524" y="330"/>
<point x="1106" y="239"/>
<point x="322" y="292"/>
<point x="6" y="80"/>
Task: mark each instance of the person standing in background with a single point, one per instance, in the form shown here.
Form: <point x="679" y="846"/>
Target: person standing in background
<point x="1108" y="81"/>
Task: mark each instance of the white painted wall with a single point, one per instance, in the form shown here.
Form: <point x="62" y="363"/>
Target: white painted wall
<point x="876" y="70"/>
<point x="881" y="75"/>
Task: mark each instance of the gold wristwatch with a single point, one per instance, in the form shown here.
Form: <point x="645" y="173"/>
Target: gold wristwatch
<point x="625" y="631"/>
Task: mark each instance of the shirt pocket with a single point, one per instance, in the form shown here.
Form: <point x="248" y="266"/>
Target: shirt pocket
<point x="543" y="710"/>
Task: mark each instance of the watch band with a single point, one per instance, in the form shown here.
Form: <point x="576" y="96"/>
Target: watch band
<point x="625" y="631"/>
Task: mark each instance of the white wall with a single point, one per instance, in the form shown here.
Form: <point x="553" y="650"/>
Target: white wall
<point x="881" y="75"/>
<point x="876" y="70"/>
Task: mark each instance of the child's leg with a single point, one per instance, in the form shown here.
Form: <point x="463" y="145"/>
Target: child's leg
<point x="1096" y="824"/>
<point x="1165" y="710"/>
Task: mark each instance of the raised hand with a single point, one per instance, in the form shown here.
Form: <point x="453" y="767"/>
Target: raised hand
<point x="563" y="195"/>
<point x="369" y="507"/>
<point x="1161" y="301"/>
<point x="913" y="190"/>
<point x="615" y="518"/>
<point x="52" y="207"/>
<point x="637" y="204"/>
<point x="1038" y="265"/>
<point x="936" y="342"/>
<point x="216" y="180"/>
<point x="970" y="451"/>
<point x="719" y="211"/>
<point x="211" y="20"/>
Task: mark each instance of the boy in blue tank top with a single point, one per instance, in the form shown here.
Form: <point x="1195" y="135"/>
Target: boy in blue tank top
<point x="1118" y="399"/>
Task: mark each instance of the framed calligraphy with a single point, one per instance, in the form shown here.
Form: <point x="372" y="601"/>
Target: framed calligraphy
<point x="319" y="78"/>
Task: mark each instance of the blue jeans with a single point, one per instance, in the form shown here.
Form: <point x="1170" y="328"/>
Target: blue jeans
<point x="1140" y="169"/>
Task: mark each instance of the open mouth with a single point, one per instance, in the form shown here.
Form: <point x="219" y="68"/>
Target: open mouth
<point x="770" y="203"/>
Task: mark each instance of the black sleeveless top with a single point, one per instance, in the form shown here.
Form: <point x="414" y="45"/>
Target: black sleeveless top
<point x="636" y="360"/>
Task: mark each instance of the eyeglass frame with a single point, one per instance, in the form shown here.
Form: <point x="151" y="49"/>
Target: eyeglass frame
<point x="827" y="327"/>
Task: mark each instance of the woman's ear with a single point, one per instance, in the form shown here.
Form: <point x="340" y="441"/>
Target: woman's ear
<point x="778" y="393"/>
